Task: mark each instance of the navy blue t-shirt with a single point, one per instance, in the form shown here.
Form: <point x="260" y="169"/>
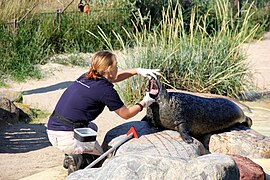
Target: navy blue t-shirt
<point x="84" y="100"/>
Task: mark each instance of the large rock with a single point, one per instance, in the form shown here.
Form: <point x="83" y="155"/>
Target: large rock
<point x="9" y="113"/>
<point x="10" y="94"/>
<point x="141" y="127"/>
<point x="152" y="142"/>
<point x="248" y="169"/>
<point x="166" y="143"/>
<point x="137" y="166"/>
<point x="25" y="112"/>
<point x="240" y="141"/>
<point x="164" y="155"/>
<point x="158" y="155"/>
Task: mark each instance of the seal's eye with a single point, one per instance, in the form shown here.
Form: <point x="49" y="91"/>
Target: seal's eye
<point x="153" y="88"/>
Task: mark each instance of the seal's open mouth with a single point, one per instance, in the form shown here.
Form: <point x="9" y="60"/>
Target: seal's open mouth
<point x="153" y="88"/>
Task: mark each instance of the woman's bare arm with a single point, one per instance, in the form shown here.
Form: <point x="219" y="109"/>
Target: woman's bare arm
<point x="124" y="74"/>
<point x="127" y="113"/>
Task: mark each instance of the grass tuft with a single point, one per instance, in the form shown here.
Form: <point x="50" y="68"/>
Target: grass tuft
<point x="192" y="59"/>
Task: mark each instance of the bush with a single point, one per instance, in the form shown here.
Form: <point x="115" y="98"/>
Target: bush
<point x="151" y="12"/>
<point x="192" y="59"/>
<point x="22" y="50"/>
<point x="196" y="45"/>
<point x="37" y="38"/>
<point x="261" y="16"/>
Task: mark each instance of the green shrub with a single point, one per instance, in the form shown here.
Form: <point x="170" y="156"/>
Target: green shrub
<point x="152" y="11"/>
<point x="22" y="50"/>
<point x="37" y="38"/>
<point x="192" y="59"/>
<point x="261" y="16"/>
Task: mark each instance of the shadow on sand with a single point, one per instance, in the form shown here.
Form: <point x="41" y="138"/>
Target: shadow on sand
<point x="54" y="87"/>
<point x="22" y="137"/>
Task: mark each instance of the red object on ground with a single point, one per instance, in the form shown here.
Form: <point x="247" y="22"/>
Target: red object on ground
<point x="131" y="133"/>
<point x="132" y="130"/>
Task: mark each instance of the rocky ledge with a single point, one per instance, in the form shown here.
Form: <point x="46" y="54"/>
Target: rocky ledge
<point x="164" y="155"/>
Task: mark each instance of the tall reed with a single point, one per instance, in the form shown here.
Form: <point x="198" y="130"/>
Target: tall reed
<point x="38" y="37"/>
<point x="192" y="59"/>
<point x="17" y="9"/>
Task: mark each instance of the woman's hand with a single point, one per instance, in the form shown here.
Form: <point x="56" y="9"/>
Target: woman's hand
<point x="148" y="100"/>
<point x="127" y="113"/>
<point x="148" y="72"/>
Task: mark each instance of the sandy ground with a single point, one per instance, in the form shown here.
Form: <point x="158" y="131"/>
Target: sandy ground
<point x="258" y="54"/>
<point x="25" y="150"/>
<point x="26" y="153"/>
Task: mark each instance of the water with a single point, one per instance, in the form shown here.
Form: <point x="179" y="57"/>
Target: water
<point x="260" y="115"/>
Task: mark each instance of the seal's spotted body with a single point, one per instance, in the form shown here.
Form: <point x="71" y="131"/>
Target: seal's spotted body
<point x="193" y="115"/>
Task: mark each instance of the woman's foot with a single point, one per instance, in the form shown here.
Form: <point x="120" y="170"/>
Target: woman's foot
<point x="74" y="162"/>
<point x="69" y="163"/>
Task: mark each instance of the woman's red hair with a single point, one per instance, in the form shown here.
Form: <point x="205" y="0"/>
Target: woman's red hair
<point x="100" y="63"/>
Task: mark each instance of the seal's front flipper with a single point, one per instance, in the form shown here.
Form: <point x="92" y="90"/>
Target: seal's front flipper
<point x="184" y="133"/>
<point x="248" y="121"/>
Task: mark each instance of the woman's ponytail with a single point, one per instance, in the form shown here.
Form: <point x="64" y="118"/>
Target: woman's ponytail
<point x="92" y="74"/>
<point x="100" y="63"/>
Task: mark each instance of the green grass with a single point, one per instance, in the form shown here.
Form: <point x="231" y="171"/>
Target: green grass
<point x="21" y="52"/>
<point x="37" y="116"/>
<point x="197" y="49"/>
<point x="70" y="60"/>
<point x="31" y="115"/>
<point x="41" y="35"/>
<point x="192" y="59"/>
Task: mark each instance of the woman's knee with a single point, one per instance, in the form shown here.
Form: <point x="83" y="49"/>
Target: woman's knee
<point x="63" y="140"/>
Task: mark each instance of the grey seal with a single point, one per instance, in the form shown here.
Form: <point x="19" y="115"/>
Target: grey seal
<point x="191" y="115"/>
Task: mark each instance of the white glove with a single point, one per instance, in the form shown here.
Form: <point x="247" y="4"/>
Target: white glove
<point x="148" y="72"/>
<point x="148" y="100"/>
